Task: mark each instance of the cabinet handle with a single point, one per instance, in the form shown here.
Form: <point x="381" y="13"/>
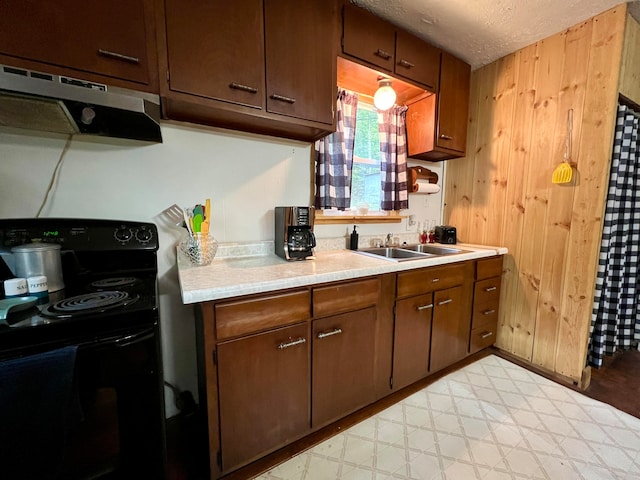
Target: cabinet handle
<point x="282" y="98"/>
<point x="335" y="331"/>
<point x="444" y="302"/>
<point x="118" y="56"/>
<point x="435" y="280"/>
<point x="446" y="137"/>
<point x="424" y="307"/>
<point x="406" y="63"/>
<point x="383" y="54"/>
<point x="490" y="289"/>
<point x="486" y="334"/>
<point x="489" y="312"/>
<point x="292" y="343"/>
<point x="244" y="88"/>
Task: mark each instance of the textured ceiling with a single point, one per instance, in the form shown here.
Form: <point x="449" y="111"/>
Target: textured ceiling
<point x="481" y="31"/>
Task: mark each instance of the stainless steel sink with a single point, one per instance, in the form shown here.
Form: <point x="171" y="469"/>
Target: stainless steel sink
<point x="395" y="254"/>
<point x="409" y="252"/>
<point x="432" y="249"/>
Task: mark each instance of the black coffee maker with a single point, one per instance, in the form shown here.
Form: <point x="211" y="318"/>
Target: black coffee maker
<point x="294" y="238"/>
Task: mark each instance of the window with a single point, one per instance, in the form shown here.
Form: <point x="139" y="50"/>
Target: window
<point x="365" y="174"/>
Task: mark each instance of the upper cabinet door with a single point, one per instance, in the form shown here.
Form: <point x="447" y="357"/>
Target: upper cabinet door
<point x="417" y="60"/>
<point x="211" y="59"/>
<point x="368" y="37"/>
<point x="301" y="54"/>
<point x="106" y="38"/>
<point x="453" y="104"/>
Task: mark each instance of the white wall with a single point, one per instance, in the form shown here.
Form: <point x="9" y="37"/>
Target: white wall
<point x="244" y="175"/>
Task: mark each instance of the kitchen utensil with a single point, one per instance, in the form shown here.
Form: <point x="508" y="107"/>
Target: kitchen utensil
<point x="564" y="172"/>
<point x="174" y="215"/>
<point x="34" y="259"/>
<point x="15" y="304"/>
<point x="187" y="221"/>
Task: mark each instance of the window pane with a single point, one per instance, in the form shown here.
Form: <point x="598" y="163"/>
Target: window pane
<point x="365" y="184"/>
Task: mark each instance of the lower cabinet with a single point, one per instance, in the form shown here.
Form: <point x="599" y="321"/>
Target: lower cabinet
<point x="263" y="389"/>
<point x="343" y="364"/>
<point x="276" y="367"/>
<point x="412" y="339"/>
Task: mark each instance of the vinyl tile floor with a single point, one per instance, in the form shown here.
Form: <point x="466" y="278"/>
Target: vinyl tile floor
<point x="489" y="420"/>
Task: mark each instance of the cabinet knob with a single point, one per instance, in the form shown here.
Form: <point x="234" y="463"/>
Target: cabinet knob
<point x="282" y="98"/>
<point x="490" y="289"/>
<point x="444" y="302"/>
<point x="244" y="88"/>
<point x="383" y="54"/>
<point x="405" y="63"/>
<point x="335" y="331"/>
<point x="425" y="307"/>
<point x="446" y="137"/>
<point x="486" y="334"/>
<point x="292" y="343"/>
<point x="118" y="56"/>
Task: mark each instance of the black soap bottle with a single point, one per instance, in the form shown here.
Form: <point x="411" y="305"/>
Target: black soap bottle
<point x="353" y="244"/>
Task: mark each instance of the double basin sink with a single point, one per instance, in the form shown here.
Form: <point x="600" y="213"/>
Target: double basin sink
<point x="403" y="253"/>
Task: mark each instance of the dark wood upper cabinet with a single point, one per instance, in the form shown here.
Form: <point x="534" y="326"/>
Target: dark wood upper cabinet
<point x="253" y="65"/>
<point x="437" y="124"/>
<point x="223" y="64"/>
<point x="368" y="37"/>
<point x="380" y="45"/>
<point x="417" y="60"/>
<point x="108" y="42"/>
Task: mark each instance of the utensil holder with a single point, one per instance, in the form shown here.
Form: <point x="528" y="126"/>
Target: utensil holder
<point x="199" y="249"/>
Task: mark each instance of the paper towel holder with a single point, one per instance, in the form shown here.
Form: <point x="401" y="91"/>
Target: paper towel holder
<point x="421" y="173"/>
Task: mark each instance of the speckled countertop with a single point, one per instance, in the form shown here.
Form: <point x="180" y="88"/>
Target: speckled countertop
<point x="259" y="270"/>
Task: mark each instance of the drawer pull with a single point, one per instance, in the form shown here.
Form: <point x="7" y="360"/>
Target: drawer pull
<point x="292" y="343"/>
<point x="282" y="98"/>
<point x="446" y="137"/>
<point x="118" y="56"/>
<point x="490" y="289"/>
<point x="489" y="312"/>
<point x="486" y="334"/>
<point x="425" y="307"/>
<point x="383" y="54"/>
<point x="406" y="63"/>
<point x="435" y="280"/>
<point x="444" y="302"/>
<point x="335" y="331"/>
<point x="244" y="88"/>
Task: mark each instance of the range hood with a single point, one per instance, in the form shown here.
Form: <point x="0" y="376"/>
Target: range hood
<point x="56" y="103"/>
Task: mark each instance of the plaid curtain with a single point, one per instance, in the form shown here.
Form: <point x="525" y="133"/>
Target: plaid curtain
<point x="334" y="156"/>
<point x="393" y="166"/>
<point x="615" y="322"/>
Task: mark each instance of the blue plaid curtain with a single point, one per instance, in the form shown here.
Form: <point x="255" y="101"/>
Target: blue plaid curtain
<point x="615" y="322"/>
<point x="393" y="167"/>
<point x="334" y="156"/>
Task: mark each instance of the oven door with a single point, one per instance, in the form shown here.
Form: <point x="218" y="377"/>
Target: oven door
<point x="120" y="429"/>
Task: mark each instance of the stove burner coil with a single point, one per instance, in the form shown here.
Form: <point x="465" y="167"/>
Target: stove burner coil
<point x="89" y="303"/>
<point x="114" y="283"/>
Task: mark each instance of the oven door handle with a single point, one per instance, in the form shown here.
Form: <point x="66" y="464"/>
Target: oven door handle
<point x="133" y="338"/>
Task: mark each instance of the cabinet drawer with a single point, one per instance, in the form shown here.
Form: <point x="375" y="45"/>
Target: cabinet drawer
<point x="489" y="267"/>
<point x="482" y="337"/>
<point x="486" y="301"/>
<point x="345" y="297"/>
<point x="248" y="316"/>
<point x="426" y="280"/>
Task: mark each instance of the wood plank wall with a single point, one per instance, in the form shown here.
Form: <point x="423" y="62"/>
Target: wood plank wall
<point x="630" y="68"/>
<point x="502" y="194"/>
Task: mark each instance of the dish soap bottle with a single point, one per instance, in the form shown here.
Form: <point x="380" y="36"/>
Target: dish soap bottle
<point x="353" y="244"/>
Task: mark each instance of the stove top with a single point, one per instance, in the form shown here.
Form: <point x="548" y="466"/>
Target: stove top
<point x="110" y="276"/>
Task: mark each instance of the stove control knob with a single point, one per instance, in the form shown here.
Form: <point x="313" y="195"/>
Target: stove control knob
<point x="123" y="234"/>
<point x="144" y="235"/>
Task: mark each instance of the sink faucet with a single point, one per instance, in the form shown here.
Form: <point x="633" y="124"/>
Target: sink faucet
<point x="388" y="240"/>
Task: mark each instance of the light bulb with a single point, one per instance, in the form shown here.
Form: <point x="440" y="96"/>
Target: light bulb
<point x="385" y="96"/>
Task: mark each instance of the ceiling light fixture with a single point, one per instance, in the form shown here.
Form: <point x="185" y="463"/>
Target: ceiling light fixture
<point x="385" y="96"/>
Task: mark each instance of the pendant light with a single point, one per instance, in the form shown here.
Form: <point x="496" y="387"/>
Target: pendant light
<point x="385" y="96"/>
